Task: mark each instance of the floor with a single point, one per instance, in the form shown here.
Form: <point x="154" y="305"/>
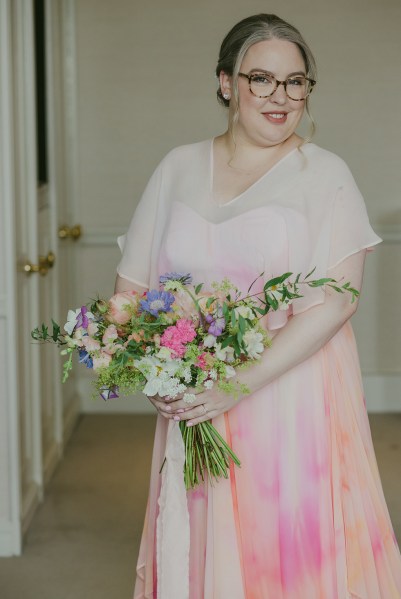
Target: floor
<point x="84" y="538"/>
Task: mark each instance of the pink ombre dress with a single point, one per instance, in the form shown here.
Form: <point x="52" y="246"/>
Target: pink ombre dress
<point x="304" y="517"/>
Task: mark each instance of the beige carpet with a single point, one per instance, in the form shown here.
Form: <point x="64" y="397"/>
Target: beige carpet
<point x="84" y="539"/>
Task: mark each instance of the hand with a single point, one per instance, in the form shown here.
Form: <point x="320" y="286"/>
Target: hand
<point x="207" y="405"/>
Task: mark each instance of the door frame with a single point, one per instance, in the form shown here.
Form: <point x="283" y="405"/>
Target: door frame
<point x="17" y="163"/>
<point x="10" y="496"/>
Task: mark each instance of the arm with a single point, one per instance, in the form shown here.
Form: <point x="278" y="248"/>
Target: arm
<point x="122" y="284"/>
<point x="302" y="336"/>
<point x="309" y="331"/>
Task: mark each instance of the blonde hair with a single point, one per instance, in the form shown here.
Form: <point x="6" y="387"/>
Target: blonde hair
<point x="241" y="37"/>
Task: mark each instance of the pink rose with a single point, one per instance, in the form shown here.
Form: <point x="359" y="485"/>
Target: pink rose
<point x="90" y="344"/>
<point x="122" y="306"/>
<point x="101" y="361"/>
<point x="93" y="328"/>
<point x="109" y="336"/>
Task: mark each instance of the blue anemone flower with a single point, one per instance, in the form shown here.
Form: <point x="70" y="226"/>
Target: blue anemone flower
<point x="85" y="358"/>
<point x="157" y="301"/>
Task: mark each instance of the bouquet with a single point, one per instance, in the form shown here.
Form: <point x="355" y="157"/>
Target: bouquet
<point x="174" y="340"/>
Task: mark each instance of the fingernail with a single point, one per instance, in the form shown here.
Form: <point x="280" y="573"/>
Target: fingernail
<point x="167" y="397"/>
<point x="180" y="411"/>
<point x="169" y="408"/>
<point x="189" y="423"/>
<point x="176" y="418"/>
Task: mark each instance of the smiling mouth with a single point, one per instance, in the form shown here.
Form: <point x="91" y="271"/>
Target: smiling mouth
<point x="275" y="117"/>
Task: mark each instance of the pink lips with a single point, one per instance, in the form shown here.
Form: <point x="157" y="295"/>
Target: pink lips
<point x="272" y="119"/>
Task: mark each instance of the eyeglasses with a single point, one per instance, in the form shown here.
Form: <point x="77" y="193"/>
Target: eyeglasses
<point x="263" y="85"/>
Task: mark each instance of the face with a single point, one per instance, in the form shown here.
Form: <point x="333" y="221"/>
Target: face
<point x="256" y="125"/>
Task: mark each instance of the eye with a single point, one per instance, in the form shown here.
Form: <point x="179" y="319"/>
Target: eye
<point x="262" y="79"/>
<point x="296" y="81"/>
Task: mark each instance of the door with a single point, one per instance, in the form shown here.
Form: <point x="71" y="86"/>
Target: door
<point x="41" y="412"/>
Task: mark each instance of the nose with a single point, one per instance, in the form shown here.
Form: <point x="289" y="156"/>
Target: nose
<point x="279" y="96"/>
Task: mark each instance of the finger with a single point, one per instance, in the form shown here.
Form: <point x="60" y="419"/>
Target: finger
<point x="181" y="405"/>
<point x="160" y="406"/>
<point x="203" y="418"/>
<point x="179" y="396"/>
<point x="193" y="412"/>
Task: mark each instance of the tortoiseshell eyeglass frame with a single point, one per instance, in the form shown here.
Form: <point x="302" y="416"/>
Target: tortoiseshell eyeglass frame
<point x="250" y="77"/>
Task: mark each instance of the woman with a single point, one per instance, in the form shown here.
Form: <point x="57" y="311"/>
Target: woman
<point x="304" y="517"/>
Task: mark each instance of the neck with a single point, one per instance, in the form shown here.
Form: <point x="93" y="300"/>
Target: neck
<point x="243" y="155"/>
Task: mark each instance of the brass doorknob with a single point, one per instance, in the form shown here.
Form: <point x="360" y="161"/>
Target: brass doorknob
<point x="45" y="262"/>
<point x="66" y="232"/>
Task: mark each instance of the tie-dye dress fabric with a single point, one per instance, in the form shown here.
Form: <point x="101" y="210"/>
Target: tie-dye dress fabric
<point x="304" y="517"/>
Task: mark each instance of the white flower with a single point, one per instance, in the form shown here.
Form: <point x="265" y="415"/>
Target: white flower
<point x="71" y="320"/>
<point x="164" y="353"/>
<point x="208" y="384"/>
<point x="213" y="374"/>
<point x="187" y="375"/>
<point x="225" y="354"/>
<point x="244" y="311"/>
<point x="209" y="341"/>
<point x="282" y="305"/>
<point x="189" y="397"/>
<point x="160" y="376"/>
<point x="230" y="372"/>
<point x="253" y="343"/>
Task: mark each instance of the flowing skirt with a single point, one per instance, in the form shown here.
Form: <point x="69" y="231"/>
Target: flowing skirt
<point x="304" y="517"/>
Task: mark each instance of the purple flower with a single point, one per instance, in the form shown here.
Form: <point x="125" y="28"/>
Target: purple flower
<point x="85" y="358"/>
<point x="217" y="327"/>
<point x="157" y="301"/>
<point x="109" y="392"/>
<point x="217" y="324"/>
<point x="82" y="319"/>
<point x="185" y="279"/>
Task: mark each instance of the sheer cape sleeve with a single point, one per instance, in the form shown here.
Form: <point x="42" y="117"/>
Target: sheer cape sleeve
<point x="335" y="229"/>
<point x="137" y="244"/>
<point x="307" y="213"/>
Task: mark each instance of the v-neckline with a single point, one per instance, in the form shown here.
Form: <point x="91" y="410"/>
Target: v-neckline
<point x="263" y="176"/>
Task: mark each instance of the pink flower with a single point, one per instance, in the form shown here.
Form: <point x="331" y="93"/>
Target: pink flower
<point x="93" y="328"/>
<point x="109" y="336"/>
<point x="175" y="337"/>
<point x="122" y="306"/>
<point x="90" y="344"/>
<point x="101" y="361"/>
<point x="184" y="306"/>
<point x="201" y="361"/>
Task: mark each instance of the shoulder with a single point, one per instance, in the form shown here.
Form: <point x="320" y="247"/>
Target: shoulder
<point x="182" y="156"/>
<point x="326" y="164"/>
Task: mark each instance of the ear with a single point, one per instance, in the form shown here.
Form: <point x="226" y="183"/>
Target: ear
<point x="225" y="83"/>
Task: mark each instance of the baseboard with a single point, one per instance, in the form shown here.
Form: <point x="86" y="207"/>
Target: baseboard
<point x="382" y="392"/>
<point x="10" y="543"/>
<point x="50" y="460"/>
<point x="30" y="503"/>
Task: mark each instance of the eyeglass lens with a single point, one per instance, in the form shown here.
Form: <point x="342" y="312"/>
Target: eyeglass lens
<point x="263" y="85"/>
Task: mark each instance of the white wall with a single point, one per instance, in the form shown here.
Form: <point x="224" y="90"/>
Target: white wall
<point x="124" y="130"/>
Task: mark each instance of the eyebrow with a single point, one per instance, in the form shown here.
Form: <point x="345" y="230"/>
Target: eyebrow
<point x="270" y="73"/>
